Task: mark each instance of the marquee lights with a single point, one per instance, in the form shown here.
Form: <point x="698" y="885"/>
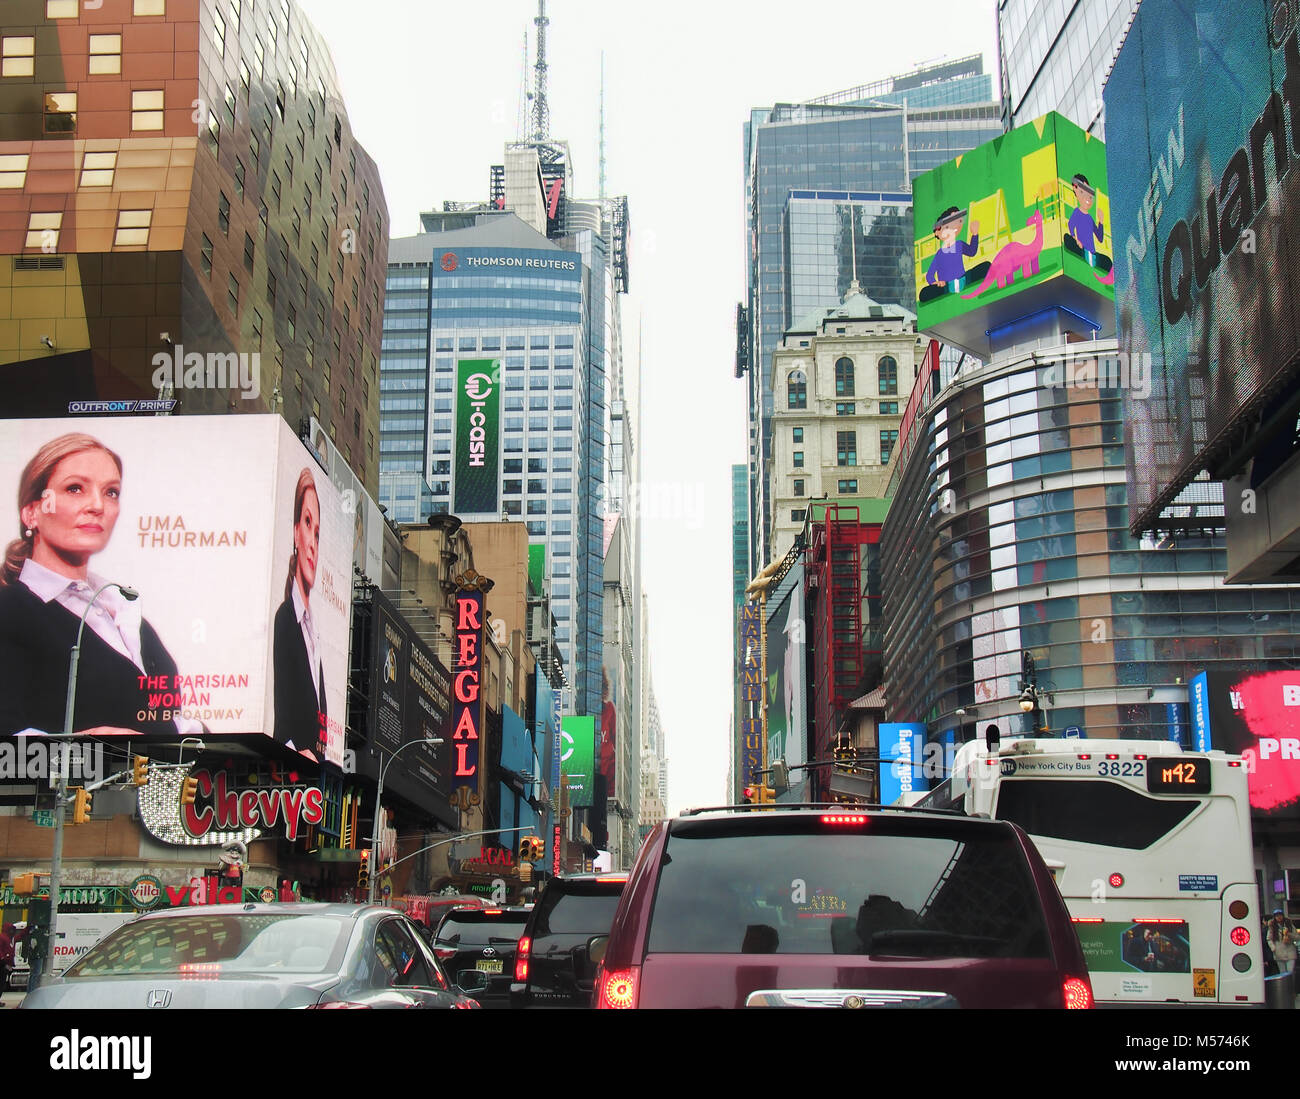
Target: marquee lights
<point x="467" y="688"/>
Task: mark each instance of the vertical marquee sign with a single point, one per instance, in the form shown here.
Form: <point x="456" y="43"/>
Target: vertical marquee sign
<point x="467" y="689"/>
<point x="751" y="692"/>
<point x="478" y="429"/>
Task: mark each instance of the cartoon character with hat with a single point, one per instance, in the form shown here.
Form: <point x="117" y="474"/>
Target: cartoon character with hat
<point x="947" y="272"/>
<point x="1083" y="234"/>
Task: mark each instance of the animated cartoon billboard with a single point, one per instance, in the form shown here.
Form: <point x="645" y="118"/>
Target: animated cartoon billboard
<point x="1015" y="233"/>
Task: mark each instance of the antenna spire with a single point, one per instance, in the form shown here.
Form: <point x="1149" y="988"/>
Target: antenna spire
<point x="541" y="109"/>
<point x="521" y="114"/>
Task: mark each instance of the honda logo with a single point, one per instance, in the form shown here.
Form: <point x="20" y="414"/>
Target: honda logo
<point x="158" y="997"/>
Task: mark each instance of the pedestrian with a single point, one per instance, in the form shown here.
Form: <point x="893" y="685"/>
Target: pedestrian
<point x="1281" y="938"/>
<point x="38" y="937"/>
<point x="7" y="953"/>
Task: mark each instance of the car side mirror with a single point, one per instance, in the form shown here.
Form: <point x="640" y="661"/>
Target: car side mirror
<point x="596" y="947"/>
<point x="471" y="981"/>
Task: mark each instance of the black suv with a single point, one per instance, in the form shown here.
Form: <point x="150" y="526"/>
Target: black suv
<point x="481" y="940"/>
<point x="553" y="965"/>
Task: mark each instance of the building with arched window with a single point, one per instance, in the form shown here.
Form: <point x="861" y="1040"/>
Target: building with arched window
<point x="835" y="379"/>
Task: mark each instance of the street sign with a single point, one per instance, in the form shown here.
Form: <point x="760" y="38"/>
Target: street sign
<point x="1073" y="732"/>
<point x="43" y="818"/>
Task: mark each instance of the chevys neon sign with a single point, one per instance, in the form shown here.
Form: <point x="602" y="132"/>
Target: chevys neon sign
<point x="220" y="808"/>
<point x="467" y="689"/>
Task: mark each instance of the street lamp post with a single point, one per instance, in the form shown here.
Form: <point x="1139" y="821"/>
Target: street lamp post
<point x="61" y="789"/>
<point x="379" y="808"/>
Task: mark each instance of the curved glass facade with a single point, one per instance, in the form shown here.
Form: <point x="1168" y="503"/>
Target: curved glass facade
<point x="1012" y="511"/>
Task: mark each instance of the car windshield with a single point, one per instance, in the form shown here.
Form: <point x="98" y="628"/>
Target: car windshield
<point x="211" y="944"/>
<point x="799" y="889"/>
<point x="484" y="931"/>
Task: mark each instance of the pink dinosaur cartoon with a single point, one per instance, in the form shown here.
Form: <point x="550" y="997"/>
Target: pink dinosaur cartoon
<point x="1014" y="257"/>
<point x="1108" y="279"/>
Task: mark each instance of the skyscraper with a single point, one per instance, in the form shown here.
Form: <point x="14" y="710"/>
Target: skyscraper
<point x="827" y="188"/>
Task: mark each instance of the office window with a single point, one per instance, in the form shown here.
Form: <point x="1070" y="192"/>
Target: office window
<point x="798" y="459"/>
<point x="214" y="134"/>
<point x="845" y="408"/>
<point x="61" y="9"/>
<point x="846" y="448"/>
<point x="848" y="486"/>
<point x="888" y="369"/>
<point x="97" y="169"/>
<point x="844" y="377"/>
<point x="276" y="188"/>
<point x="798" y="434"/>
<point x="797" y="390"/>
<point x="43" y="231"/>
<point x="133" y="227"/>
<point x="889" y="408"/>
<point x="149" y="7"/>
<point x="254" y="149"/>
<point x="205" y="256"/>
<point x="244" y="80"/>
<point x="61" y="112"/>
<point x="798" y="486"/>
<point x="272" y="285"/>
<point x="219" y="33"/>
<point x="259" y="57"/>
<point x="887" y="441"/>
<point x="297" y="227"/>
<point x="105" y="53"/>
<point x="13" y="171"/>
<point x="228" y="106"/>
<point x="797" y="515"/>
<point x="262" y="214"/>
<point x="147" y="110"/>
<point x="223" y="213"/>
<point x="18" y="53"/>
<point x="257" y="328"/>
<point x="235" y="12"/>
<point x="279" y="99"/>
<point x="232" y="295"/>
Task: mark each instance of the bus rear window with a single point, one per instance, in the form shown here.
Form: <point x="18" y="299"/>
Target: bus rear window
<point x="1089" y="811"/>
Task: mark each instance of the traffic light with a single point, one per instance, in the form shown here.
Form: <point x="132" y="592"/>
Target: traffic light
<point x="81" y="805"/>
<point x="525" y="848"/>
<point x="780" y="776"/>
<point x="189" y="791"/>
<point x="748" y="795"/>
<point x="539" y="848"/>
<point x="140" y="770"/>
<point x="363" y="872"/>
<point x="24" y="884"/>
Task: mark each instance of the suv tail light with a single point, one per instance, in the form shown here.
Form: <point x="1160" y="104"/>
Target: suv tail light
<point x="850" y="819"/>
<point x="444" y="953"/>
<point x="522" y="951"/>
<point x="1078" y="992"/>
<point x="618" y="987"/>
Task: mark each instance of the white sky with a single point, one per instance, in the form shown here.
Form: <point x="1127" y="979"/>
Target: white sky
<point x="433" y="90"/>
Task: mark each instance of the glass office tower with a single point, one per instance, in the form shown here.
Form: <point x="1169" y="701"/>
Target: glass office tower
<point x="497" y="289"/>
<point x="872" y="140"/>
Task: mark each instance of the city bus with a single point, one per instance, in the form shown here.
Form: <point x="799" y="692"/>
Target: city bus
<point x="1150" y="846"/>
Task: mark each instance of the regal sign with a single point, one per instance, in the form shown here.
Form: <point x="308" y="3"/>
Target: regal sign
<point x="467" y="689"/>
<point x="221" y="808"/>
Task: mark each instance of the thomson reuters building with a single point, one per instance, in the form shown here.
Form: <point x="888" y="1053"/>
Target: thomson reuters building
<point x="488" y="381"/>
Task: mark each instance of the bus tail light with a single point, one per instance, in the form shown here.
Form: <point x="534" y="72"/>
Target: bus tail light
<point x="1238" y="910"/>
<point x="522" y="951"/>
<point x="618" y="987"/>
<point x="1077" y="992"/>
<point x="1116" y="880"/>
<point x="1240" y="936"/>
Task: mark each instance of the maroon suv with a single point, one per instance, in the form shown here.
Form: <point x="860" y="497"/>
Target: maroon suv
<point x="828" y="908"/>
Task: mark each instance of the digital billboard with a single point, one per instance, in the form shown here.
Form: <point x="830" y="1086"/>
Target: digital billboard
<point x="354" y="500"/>
<point x="237" y="547"/>
<point x="577" y="736"/>
<point x="1203" y="175"/>
<point x="1255" y="715"/>
<point x="478" y="433"/>
<point x="410" y="701"/>
<point x="787" y="708"/>
<point x="904" y="744"/>
<point x="1015" y="227"/>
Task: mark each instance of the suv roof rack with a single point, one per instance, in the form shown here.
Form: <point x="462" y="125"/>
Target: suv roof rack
<point x="836" y="805"/>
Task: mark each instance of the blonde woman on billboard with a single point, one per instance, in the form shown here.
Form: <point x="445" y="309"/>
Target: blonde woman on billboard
<point x="69" y="499"/>
<point x="299" y="672"/>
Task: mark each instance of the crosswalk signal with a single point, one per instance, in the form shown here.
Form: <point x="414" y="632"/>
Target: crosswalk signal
<point x="140" y="770"/>
<point x="189" y="791"/>
<point x="363" y="872"/>
<point x="81" y="805"/>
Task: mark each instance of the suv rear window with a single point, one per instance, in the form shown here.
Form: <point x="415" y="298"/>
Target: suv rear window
<point x="575" y="911"/>
<point x="462" y="929"/>
<point x="795" y="887"/>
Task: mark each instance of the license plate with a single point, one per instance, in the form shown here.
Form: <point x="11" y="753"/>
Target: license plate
<point x="488" y="965"/>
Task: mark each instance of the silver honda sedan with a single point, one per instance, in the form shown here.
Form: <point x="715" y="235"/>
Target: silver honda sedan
<point x="258" y="956"/>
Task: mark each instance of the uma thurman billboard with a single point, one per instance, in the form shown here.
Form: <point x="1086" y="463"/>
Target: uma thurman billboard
<point x="478" y="431"/>
<point x="234" y="546"/>
<point x="1203" y="128"/>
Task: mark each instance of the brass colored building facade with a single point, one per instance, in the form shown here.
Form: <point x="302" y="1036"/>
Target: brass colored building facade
<point x="179" y="177"/>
